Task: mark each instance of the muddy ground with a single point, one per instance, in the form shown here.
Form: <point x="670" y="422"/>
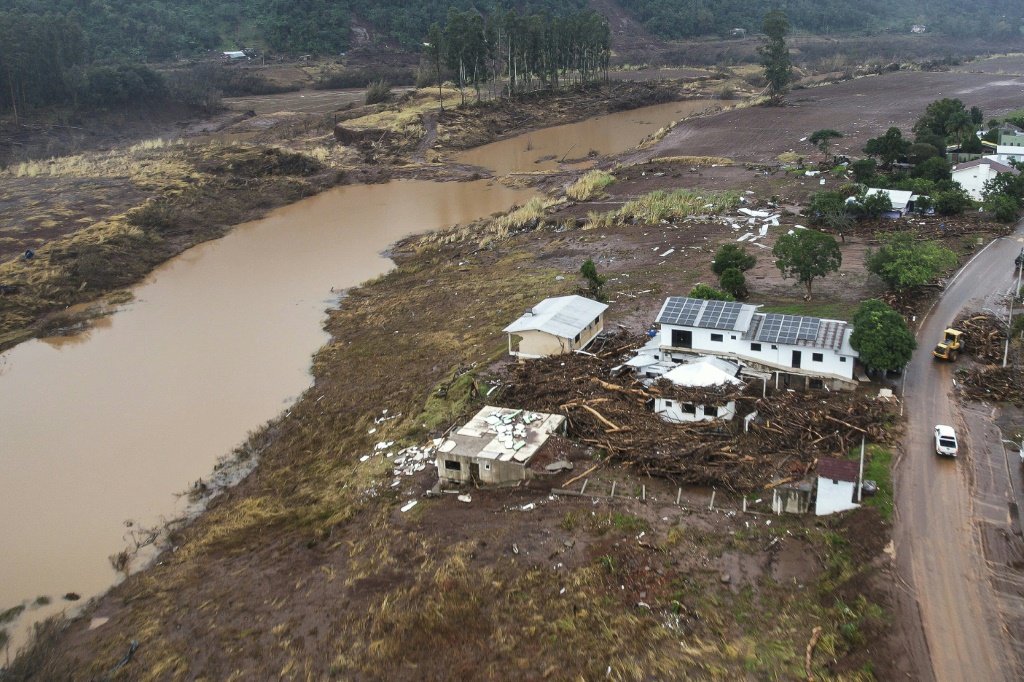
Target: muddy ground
<point x="309" y="569"/>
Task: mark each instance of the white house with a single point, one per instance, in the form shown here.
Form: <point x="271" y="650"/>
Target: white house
<point x="234" y="56"/>
<point x="555" y="326"/>
<point x="800" y="351"/>
<point x="837" y="485"/>
<point x="902" y="201"/>
<point x="496" y="446"/>
<point x="706" y="372"/>
<point x="973" y="175"/>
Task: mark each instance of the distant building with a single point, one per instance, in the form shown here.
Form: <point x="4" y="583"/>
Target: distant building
<point x="235" y="56"/>
<point x="918" y="28"/>
<point x="556" y="326"/>
<point x="837" y="485"/>
<point x="801" y="352"/>
<point x="973" y="175"/>
<point x="496" y="446"/>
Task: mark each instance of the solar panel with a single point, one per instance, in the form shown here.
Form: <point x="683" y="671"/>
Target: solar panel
<point x="681" y="311"/>
<point x="778" y="328"/>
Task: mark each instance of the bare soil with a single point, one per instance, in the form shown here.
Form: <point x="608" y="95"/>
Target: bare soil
<point x="309" y="569"/>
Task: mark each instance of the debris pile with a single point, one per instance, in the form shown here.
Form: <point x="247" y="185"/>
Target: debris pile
<point x="612" y="414"/>
<point x="998" y="384"/>
<point x="986" y="336"/>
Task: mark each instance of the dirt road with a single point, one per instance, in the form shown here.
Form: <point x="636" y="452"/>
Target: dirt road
<point x="940" y="517"/>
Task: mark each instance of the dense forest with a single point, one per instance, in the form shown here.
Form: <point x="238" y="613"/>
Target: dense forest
<point x="90" y="53"/>
<point x="673" y="19"/>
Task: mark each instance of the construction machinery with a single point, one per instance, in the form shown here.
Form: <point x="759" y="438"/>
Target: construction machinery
<point x="951" y="345"/>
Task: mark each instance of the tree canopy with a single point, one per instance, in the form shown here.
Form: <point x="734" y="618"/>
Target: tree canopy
<point x="889" y="147"/>
<point x="710" y="293"/>
<point x="903" y="262"/>
<point x="732" y="256"/>
<point x="807" y="255"/>
<point x="823" y="139"/>
<point x="881" y="337"/>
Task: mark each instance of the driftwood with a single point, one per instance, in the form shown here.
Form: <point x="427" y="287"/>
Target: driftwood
<point x="815" y="634"/>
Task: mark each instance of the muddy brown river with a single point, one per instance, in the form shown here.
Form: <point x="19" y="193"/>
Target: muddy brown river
<point x="106" y="428"/>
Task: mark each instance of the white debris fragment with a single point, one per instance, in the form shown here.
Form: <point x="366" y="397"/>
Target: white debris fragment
<point x="667" y="253"/>
<point x="465" y="498"/>
<point x="364" y="458"/>
<point x="754" y="214"/>
<point x="409" y="505"/>
<point x="528" y="507"/>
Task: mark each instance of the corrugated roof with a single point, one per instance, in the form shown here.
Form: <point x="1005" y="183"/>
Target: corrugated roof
<point x="838" y="469"/>
<point x="564" y="316"/>
<point x="994" y="165"/>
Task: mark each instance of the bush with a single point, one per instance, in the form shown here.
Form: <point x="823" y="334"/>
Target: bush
<point x="732" y="256"/>
<point x="378" y="92"/>
<point x="952" y="202"/>
<point x="935" y="169"/>
<point x="1003" y="207"/>
<point x="733" y="282"/>
<point x="872" y="205"/>
<point x="825" y="203"/>
<point x="710" y="293"/>
<point x="864" y="170"/>
<point x="362" y="78"/>
<point x="902" y="262"/>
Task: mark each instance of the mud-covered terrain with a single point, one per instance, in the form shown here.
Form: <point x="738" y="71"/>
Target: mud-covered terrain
<point x="308" y="569"/>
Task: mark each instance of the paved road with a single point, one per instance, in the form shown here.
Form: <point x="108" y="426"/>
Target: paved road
<point x="939" y="534"/>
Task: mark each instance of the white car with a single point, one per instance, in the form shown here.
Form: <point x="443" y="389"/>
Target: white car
<point x="945" y="441"/>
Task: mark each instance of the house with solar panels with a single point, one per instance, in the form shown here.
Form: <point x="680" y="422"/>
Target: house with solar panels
<point x="801" y="352"/>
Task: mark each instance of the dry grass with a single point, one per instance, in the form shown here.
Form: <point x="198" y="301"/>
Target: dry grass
<point x="589" y="186"/>
<point x="662" y="206"/>
<point x="694" y="160"/>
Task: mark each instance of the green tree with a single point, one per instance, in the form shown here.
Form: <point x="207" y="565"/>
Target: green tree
<point x="864" y="170"/>
<point x="872" y="205"/>
<point x="775" y="60"/>
<point x="435" y="52"/>
<point x="935" y="169"/>
<point x="1003" y="207"/>
<point x="595" y="282"/>
<point x="952" y="201"/>
<point x="920" y="152"/>
<point x="734" y="282"/>
<point x="710" y="293"/>
<point x="807" y="255"/>
<point x="938" y="115"/>
<point x="889" y="147"/>
<point x="937" y="142"/>
<point x="903" y="262"/>
<point x="732" y="256"/>
<point x="881" y="337"/>
<point x="823" y="138"/>
<point x="830" y="208"/>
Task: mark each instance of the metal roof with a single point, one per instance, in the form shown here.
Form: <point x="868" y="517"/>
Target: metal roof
<point x="994" y="165"/>
<point x="838" y="469"/>
<point x="564" y="316"/>
<point x="698" y="312"/>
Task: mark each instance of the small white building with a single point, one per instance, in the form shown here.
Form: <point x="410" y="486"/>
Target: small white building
<point x="556" y="326"/>
<point x="234" y="56"/>
<point x="902" y="200"/>
<point x="496" y="446"/>
<point x="802" y="352"/>
<point x="706" y="372"/>
<point x="972" y="175"/>
<point x="837" y="485"/>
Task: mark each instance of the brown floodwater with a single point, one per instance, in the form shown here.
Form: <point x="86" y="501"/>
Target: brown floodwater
<point x="106" y="426"/>
<point x="544" y="149"/>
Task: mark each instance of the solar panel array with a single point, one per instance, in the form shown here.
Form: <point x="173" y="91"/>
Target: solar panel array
<point x="778" y="328"/>
<point x="681" y="311"/>
<point x="720" y="315"/>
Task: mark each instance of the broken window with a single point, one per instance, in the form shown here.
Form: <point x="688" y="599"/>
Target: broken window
<point x="816" y="383"/>
<point x="690" y="408"/>
<point x="452" y="465"/>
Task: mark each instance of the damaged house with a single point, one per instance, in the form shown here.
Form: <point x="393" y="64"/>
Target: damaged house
<point x="555" y="326"/>
<point x="798" y="351"/>
<point x="496" y="446"/>
<point x="714" y="377"/>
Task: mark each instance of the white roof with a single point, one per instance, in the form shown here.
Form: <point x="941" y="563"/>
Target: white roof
<point x="704" y="372"/>
<point x="899" y="198"/>
<point x="564" y="316"/>
<point x="503" y="434"/>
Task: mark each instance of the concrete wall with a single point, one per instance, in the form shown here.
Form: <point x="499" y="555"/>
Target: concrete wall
<point x="492" y="471"/>
<point x="672" y="411"/>
<point x="538" y="344"/>
<point x="834" y="496"/>
<point x="776" y="355"/>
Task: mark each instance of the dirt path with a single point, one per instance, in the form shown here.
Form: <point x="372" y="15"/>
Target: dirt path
<point x="429" y="137"/>
<point x="938" y="538"/>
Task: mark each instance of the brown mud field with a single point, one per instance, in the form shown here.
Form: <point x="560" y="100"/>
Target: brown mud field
<point x="308" y="568"/>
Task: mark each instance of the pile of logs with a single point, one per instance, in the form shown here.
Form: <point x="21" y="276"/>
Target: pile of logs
<point x="996" y="384"/>
<point x="986" y="336"/>
<point x="789" y="431"/>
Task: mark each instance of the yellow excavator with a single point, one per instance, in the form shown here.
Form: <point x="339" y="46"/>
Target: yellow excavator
<point x="951" y="345"/>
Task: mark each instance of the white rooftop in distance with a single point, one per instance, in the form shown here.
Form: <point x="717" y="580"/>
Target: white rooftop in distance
<point x="563" y="316"/>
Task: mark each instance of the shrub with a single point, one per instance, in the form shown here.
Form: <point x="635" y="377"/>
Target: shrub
<point x="590" y="185"/>
<point x="731" y="256"/>
<point x="935" y="169"/>
<point x="952" y="202"/>
<point x="734" y="283"/>
<point x="1003" y="207"/>
<point x="872" y="205"/>
<point x="864" y="170"/>
<point x="378" y="92"/>
<point x="710" y="293"/>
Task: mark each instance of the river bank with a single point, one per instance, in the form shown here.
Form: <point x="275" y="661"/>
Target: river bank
<point x="309" y="568"/>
